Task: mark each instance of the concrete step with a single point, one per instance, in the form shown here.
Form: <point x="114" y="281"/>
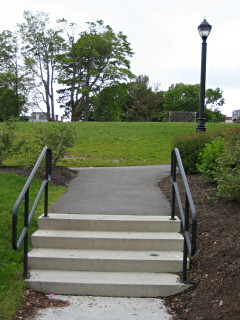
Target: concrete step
<point x="105" y="260"/>
<point x="106" y="255"/>
<point x="113" y="284"/>
<point x="93" y="222"/>
<point x="96" y="240"/>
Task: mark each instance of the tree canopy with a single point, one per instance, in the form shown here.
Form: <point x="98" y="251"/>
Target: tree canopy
<point x="98" y="59"/>
<point x="185" y="97"/>
<point x="145" y="103"/>
<point x="13" y="87"/>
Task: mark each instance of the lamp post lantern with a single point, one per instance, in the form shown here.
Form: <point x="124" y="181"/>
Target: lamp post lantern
<point x="204" y="29"/>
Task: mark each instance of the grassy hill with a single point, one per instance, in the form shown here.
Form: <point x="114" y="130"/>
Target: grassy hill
<point x="119" y="143"/>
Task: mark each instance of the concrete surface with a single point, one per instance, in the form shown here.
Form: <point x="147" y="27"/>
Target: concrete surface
<point x="104" y="308"/>
<point x="96" y="222"/>
<point x="118" y="190"/>
<point x="115" y="190"/>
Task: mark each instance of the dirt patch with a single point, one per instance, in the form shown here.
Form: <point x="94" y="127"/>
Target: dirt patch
<point x="215" y="269"/>
<point x="60" y="175"/>
<point x="77" y="158"/>
<point x="34" y="301"/>
<point x="115" y="160"/>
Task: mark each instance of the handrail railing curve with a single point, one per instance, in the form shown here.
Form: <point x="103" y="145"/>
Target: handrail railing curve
<point x="24" y="195"/>
<point x="190" y="236"/>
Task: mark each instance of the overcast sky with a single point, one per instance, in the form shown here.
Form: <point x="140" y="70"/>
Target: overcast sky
<point x="163" y="34"/>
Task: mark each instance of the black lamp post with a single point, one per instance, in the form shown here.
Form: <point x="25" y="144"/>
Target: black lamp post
<point x="204" y="29"/>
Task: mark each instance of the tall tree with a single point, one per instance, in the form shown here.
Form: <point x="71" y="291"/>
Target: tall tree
<point x="13" y="85"/>
<point x="98" y="59"/>
<point x="41" y="45"/>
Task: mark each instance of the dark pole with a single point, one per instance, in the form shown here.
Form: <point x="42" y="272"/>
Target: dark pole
<point x="201" y="120"/>
<point x="204" y="29"/>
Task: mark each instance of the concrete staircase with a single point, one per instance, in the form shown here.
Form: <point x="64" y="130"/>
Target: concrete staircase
<point x="106" y="255"/>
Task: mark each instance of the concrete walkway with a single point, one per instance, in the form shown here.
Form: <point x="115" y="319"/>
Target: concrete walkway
<point x="115" y="190"/>
<point x="118" y="190"/>
<point x="106" y="308"/>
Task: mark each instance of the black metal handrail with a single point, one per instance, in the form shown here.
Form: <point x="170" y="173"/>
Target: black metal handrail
<point x="190" y="237"/>
<point x="17" y="242"/>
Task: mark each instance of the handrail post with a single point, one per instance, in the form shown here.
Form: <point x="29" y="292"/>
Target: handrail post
<point x="173" y="177"/>
<point x="185" y="249"/>
<point x="194" y="237"/>
<point x="25" y="258"/>
<point x="186" y="227"/>
<point x="46" y="202"/>
<point x="48" y="172"/>
<point x="184" y="267"/>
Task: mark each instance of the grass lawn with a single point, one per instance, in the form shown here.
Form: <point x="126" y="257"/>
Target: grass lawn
<point x="119" y="143"/>
<point x="11" y="266"/>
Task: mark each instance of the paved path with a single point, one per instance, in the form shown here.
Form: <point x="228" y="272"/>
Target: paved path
<point x="105" y="308"/>
<point x="115" y="190"/>
<point x="118" y="190"/>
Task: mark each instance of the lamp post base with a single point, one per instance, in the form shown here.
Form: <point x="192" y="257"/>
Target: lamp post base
<point x="201" y="125"/>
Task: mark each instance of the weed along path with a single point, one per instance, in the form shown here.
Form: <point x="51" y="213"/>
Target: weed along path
<point x="115" y="190"/>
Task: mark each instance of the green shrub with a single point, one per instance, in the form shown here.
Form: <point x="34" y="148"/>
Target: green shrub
<point x="56" y="135"/>
<point x="220" y="162"/>
<point x="208" y="164"/>
<point x="228" y="174"/>
<point x="190" y="146"/>
<point x="6" y="140"/>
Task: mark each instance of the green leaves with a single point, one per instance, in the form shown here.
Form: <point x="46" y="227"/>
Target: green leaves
<point x="58" y="136"/>
<point x="182" y="97"/>
<point x="144" y="104"/>
<point x="190" y="146"/>
<point x="109" y="102"/>
<point x="6" y="140"/>
<point x="185" y="97"/>
<point x="98" y="59"/>
<point x="208" y="157"/>
<point x="220" y="162"/>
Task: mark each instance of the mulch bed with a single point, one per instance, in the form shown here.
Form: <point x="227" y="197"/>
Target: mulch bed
<point x="215" y="271"/>
<point x="60" y="175"/>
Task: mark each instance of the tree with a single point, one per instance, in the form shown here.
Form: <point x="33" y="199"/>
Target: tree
<point x="182" y="97"/>
<point x="98" y="59"/>
<point x="13" y="86"/>
<point x="41" y="45"/>
<point x="145" y="104"/>
<point x="214" y="115"/>
<point x="214" y="100"/>
<point x="185" y="97"/>
<point x="10" y="104"/>
<point x="108" y="105"/>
